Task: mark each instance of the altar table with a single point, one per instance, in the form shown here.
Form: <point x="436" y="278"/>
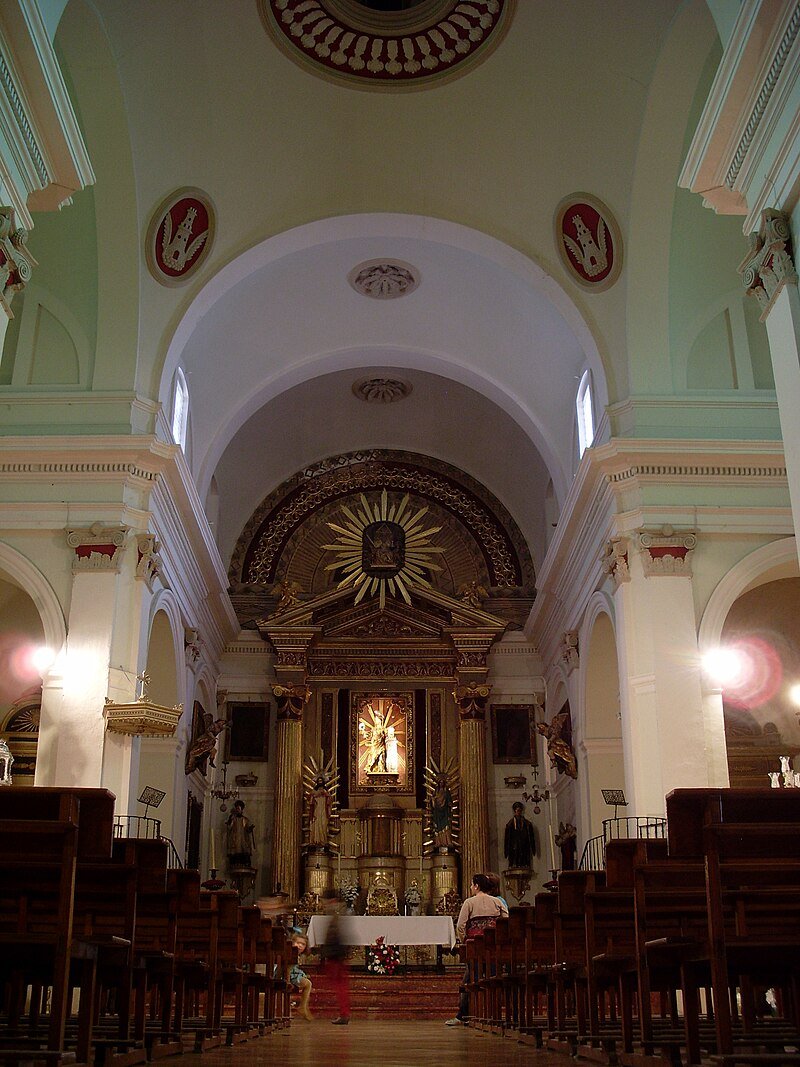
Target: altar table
<point x="395" y="930"/>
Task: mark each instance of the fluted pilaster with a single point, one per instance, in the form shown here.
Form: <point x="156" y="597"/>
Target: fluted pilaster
<point x="288" y="793"/>
<point x="471" y="700"/>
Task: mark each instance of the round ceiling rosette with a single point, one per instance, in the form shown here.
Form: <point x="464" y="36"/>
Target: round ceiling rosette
<point x="387" y="44"/>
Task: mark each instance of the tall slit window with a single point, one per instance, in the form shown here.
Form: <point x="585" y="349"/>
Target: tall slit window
<point x="585" y="413"/>
<point x="180" y="409"/>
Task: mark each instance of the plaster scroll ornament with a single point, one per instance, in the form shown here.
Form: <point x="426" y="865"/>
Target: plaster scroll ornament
<point x="16" y="262"/>
<point x="381" y="390"/>
<point x="589" y="241"/>
<point x="179" y="236"/>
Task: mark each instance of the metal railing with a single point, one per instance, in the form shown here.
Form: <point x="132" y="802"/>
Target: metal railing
<point x="593" y="857"/>
<point x="146" y="830"/>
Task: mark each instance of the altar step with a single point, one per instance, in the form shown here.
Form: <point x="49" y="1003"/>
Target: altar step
<point x="402" y="996"/>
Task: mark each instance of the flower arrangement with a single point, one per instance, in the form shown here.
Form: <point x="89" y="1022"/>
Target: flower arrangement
<point x="349" y="891"/>
<point x="383" y="958"/>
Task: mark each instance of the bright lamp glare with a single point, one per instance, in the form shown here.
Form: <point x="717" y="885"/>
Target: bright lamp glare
<point x="723" y="665"/>
<point x="794" y="694"/>
<point x="42" y="658"/>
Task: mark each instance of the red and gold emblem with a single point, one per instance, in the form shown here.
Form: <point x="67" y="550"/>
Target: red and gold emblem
<point x="588" y="241"/>
<point x="179" y="236"/>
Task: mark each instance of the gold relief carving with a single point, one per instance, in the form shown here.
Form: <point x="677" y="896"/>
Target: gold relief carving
<point x="471" y="700"/>
<point x="473" y="594"/>
<point x="471" y="659"/>
<point x="336" y="668"/>
<point x="288" y="594"/>
<point x="263" y="540"/>
<point x="383" y="625"/>
<point x="291" y="700"/>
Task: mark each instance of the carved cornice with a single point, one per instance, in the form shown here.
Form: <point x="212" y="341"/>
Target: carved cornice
<point x="769" y="266"/>
<point x="98" y="548"/>
<point x="291" y="647"/>
<point x="667" y="552"/>
<point x="366" y="669"/>
<point x="148" y="566"/>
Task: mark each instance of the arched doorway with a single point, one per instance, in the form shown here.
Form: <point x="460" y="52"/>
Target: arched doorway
<point x="601" y="762"/>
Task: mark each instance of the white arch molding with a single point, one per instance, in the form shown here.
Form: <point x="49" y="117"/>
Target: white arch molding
<point x="759" y="564"/>
<point x="385" y="226"/>
<point x="600" y="603"/>
<point x="28" y="577"/>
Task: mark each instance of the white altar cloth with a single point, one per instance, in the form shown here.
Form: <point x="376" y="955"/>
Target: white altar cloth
<point x="395" y="929"/>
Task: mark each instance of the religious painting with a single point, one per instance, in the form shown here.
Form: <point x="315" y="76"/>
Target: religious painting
<point x="513" y="735"/>
<point x="382" y="743"/>
<point x="248" y="738"/>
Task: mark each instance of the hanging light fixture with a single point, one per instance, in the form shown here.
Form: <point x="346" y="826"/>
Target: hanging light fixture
<point x="225" y="793"/>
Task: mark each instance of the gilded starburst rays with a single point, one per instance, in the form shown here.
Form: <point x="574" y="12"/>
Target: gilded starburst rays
<point x="382" y="547"/>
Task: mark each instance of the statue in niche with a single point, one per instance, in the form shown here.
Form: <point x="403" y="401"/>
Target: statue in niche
<point x="441" y="807"/>
<point x="566" y="840"/>
<point x="519" y="842"/>
<point x="321" y="816"/>
<point x="559" y="743"/>
<point x="240" y="837"/>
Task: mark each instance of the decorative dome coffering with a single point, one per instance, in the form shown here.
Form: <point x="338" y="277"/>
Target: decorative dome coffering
<point x="390" y="44"/>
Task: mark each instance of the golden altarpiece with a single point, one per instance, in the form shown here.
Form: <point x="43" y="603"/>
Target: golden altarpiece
<point x="380" y="582"/>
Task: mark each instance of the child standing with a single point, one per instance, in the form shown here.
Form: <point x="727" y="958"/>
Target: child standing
<point x="299" y="979"/>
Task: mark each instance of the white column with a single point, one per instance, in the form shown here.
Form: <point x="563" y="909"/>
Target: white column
<point x="665" y="732"/>
<point x="783" y="330"/>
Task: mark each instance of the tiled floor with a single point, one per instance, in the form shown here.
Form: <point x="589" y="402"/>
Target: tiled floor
<point x="373" y="1043"/>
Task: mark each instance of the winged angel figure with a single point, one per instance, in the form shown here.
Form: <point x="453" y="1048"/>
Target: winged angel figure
<point x="442" y="824"/>
<point x="321" y="815"/>
<point x="590" y="255"/>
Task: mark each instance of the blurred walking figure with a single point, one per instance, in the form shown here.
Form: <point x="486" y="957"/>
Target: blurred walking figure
<point x="334" y="955"/>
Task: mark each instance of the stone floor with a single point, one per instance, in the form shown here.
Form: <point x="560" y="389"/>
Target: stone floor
<point x="373" y="1043"/>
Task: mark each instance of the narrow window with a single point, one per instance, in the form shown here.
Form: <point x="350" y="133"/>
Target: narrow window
<point x="583" y="406"/>
<point x="180" y="409"/>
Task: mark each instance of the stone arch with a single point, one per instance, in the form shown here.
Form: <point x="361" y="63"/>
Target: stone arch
<point x="598" y="738"/>
<point x="22" y="572"/>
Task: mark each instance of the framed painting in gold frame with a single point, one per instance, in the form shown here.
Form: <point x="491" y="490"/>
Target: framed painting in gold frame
<point x="382" y="743"/>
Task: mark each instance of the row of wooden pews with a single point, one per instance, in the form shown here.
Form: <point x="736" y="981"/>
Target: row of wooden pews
<point x="153" y="963"/>
<point x="679" y="951"/>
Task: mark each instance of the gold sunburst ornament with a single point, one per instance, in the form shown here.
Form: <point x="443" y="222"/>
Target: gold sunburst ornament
<point x="382" y="547"/>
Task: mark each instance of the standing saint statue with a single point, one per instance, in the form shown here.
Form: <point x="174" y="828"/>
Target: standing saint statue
<point x="321" y="806"/>
<point x="519" y="844"/>
<point x="392" y="756"/>
<point x="240" y="837"/>
<point x="319" y="813"/>
<point x="441" y="821"/>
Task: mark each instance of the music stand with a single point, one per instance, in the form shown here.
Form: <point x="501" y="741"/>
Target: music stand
<point x="151" y="797"/>
<point x="615" y="797"/>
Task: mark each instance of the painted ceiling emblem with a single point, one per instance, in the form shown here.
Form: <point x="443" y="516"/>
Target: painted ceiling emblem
<point x="179" y="236"/>
<point x="386" y="46"/>
<point x="588" y="241"/>
<point x="383" y="547"/>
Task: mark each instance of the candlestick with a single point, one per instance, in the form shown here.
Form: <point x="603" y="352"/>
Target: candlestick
<point x="552" y="847"/>
<point x="213" y="852"/>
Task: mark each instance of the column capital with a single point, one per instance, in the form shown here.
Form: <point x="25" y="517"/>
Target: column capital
<point x="666" y="551"/>
<point x="291" y="700"/>
<point x="768" y="265"/>
<point x="472" y="648"/>
<point x="291" y="644"/>
<point x="16" y="262"/>
<point x="148" y="563"/>
<point x="471" y="700"/>
<point x="97" y="548"/>
<point x="615" y="560"/>
<point x="569" y="650"/>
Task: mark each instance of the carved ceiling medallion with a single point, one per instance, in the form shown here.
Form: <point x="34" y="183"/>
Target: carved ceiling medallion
<point x="589" y="241"/>
<point x="381" y="390"/>
<point x="387" y="46"/>
<point x="383" y="279"/>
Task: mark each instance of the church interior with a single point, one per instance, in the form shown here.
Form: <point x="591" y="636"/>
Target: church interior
<point x="399" y="478"/>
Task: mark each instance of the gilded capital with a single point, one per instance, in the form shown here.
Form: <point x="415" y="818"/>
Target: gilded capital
<point x="291" y="700"/>
<point x="471" y="700"/>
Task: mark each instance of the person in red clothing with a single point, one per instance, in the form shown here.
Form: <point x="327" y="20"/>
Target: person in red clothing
<point x="334" y="955"/>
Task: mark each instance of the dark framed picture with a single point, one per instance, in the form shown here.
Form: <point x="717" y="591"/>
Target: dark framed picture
<point x="513" y="733"/>
<point x="248" y="736"/>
